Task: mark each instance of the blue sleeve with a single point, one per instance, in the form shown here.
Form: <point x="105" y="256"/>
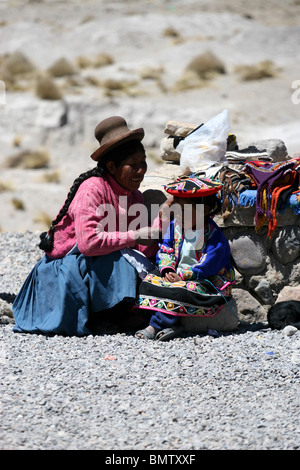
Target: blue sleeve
<point x="215" y="256"/>
<point x="165" y="257"/>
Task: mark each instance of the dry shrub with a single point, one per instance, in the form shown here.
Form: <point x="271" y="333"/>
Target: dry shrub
<point x="14" y="68"/>
<point x="93" y="81"/>
<point x="47" y="89"/>
<point x="4" y="186"/>
<point x="87" y="19"/>
<point x="17" y="63"/>
<point x="199" y="71"/>
<point x="17" y="141"/>
<point x="61" y="68"/>
<point x="113" y="85"/>
<point x="51" y="177"/>
<point x="171" y="32"/>
<point x="206" y="65"/>
<point x="188" y="80"/>
<point x="29" y="160"/>
<point x="154" y="73"/>
<point x="101" y="60"/>
<point x="18" y="204"/>
<point x="84" y="62"/>
<point x="264" y="69"/>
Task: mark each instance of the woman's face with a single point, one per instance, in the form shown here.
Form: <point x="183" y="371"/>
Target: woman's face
<point x="131" y="172"/>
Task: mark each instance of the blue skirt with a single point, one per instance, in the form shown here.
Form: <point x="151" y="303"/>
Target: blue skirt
<point x="59" y="294"/>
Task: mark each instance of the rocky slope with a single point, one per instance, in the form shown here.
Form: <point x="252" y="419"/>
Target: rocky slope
<point x="133" y="59"/>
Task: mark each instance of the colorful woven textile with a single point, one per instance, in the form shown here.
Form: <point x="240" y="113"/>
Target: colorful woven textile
<point x="273" y="181"/>
<point x="193" y="186"/>
<point x="204" y="286"/>
<point x="181" y="298"/>
<point x="234" y="183"/>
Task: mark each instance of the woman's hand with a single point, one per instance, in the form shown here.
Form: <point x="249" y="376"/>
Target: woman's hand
<point x="147" y="235"/>
<point x="171" y="277"/>
<point x="165" y="214"/>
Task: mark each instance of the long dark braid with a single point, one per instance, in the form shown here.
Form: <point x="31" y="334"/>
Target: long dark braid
<point x="47" y="238"/>
<point x="117" y="155"/>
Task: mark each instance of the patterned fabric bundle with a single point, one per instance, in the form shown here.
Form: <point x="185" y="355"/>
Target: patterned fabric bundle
<point x="274" y="181"/>
<point x="193" y="186"/>
<point x="234" y="182"/>
<point x="181" y="298"/>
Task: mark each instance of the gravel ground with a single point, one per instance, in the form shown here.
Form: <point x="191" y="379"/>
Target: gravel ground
<point x="233" y="391"/>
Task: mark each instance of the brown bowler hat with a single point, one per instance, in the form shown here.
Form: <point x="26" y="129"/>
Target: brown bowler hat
<point x="112" y="132"/>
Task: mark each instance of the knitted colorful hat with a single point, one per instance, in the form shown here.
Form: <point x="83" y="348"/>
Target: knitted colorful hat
<point x="192" y="186"/>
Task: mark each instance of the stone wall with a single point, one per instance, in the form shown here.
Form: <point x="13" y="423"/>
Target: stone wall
<point x="264" y="266"/>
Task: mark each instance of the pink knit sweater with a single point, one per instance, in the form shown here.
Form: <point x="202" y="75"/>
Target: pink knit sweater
<point x="86" y="222"/>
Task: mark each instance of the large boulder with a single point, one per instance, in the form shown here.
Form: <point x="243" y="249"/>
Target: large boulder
<point x="248" y="253"/>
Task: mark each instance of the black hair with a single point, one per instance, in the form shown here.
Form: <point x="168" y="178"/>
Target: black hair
<point x="117" y="155"/>
<point x="213" y="202"/>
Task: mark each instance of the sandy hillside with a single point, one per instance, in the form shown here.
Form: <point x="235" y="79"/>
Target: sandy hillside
<point x="133" y="58"/>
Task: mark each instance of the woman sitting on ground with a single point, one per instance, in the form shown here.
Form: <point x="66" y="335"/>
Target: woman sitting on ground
<point x="83" y="272"/>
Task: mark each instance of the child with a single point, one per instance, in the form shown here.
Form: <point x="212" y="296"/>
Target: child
<point x="194" y="275"/>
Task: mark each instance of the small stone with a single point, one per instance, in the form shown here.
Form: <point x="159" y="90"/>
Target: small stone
<point x="6" y="314"/>
<point x="289" y="330"/>
<point x="295" y="358"/>
<point x="264" y="292"/>
<point x="213" y="332"/>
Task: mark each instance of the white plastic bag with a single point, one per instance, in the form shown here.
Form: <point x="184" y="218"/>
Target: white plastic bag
<point x="207" y="145"/>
